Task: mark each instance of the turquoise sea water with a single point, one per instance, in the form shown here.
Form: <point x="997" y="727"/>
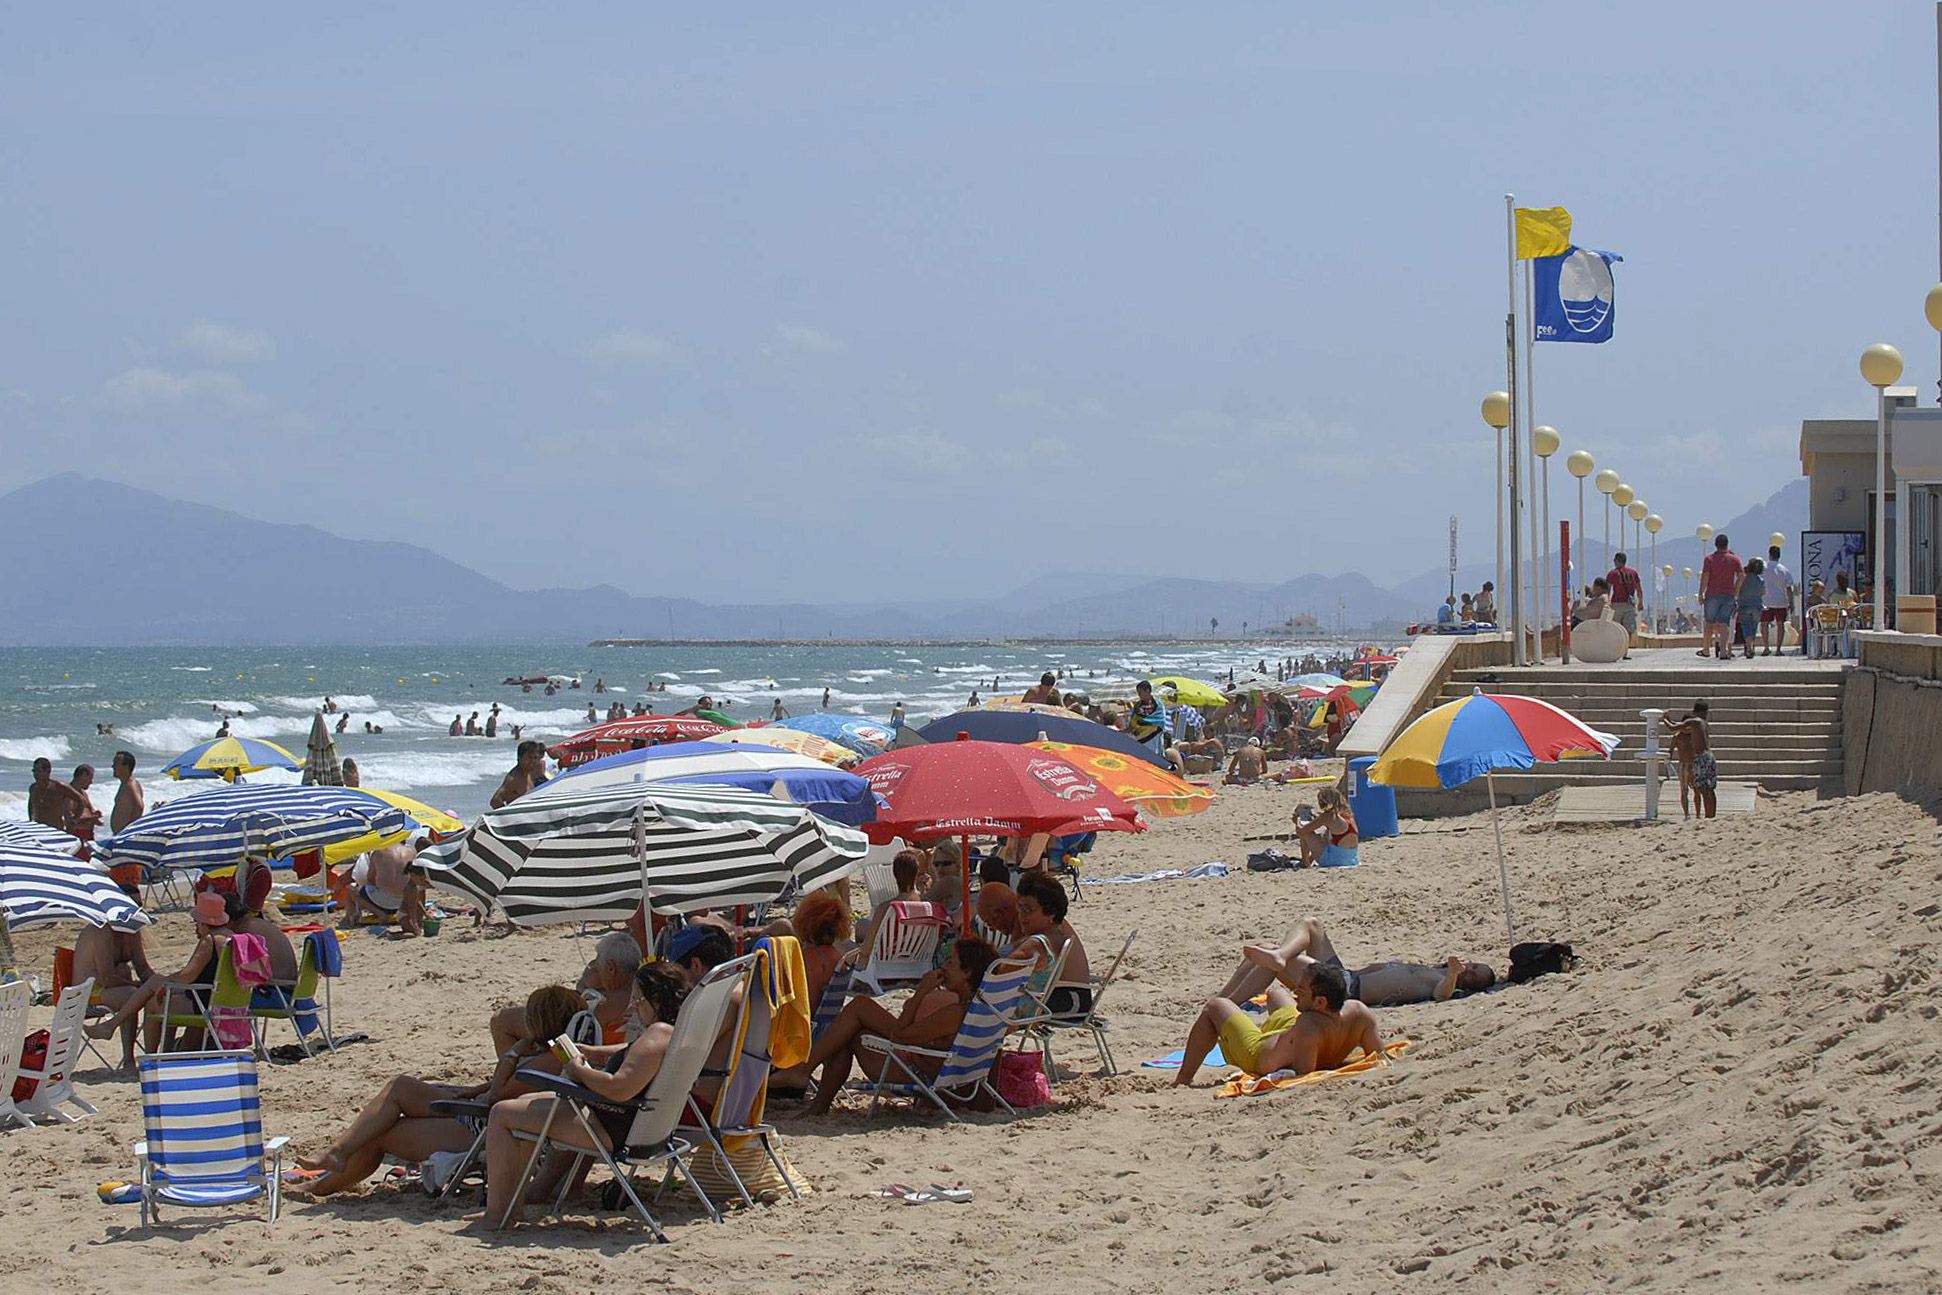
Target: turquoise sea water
<point x="162" y="700"/>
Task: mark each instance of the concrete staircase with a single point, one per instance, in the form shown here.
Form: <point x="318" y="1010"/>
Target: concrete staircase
<point x="1776" y="727"/>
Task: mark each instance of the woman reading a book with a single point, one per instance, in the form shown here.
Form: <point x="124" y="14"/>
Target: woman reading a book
<point x="618" y="1074"/>
<point x="399" y="1120"/>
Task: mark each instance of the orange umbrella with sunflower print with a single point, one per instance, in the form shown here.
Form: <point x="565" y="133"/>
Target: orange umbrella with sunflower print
<point x="1152" y="791"/>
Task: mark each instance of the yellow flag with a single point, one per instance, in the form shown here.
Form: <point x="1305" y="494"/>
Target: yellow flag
<point x="1543" y="231"/>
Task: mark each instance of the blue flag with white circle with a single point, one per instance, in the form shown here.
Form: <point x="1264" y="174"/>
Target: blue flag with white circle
<point x="1572" y="295"/>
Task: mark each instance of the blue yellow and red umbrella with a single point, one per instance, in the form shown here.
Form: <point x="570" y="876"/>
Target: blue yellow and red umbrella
<point x="1477" y="735"/>
<point x="225" y="757"/>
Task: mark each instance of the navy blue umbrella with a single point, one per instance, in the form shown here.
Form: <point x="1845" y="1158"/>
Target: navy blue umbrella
<point x="1018" y="727"/>
<point x="820" y="788"/>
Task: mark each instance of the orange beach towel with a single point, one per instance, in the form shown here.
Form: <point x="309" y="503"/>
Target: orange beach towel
<point x="1242" y="1084"/>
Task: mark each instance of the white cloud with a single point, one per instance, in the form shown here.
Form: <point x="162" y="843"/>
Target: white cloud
<point x="147" y="388"/>
<point x="632" y="346"/>
<point x="801" y="337"/>
<point x="214" y="343"/>
<point x="923" y="452"/>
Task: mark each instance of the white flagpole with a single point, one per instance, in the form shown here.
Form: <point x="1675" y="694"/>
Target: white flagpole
<point x="1513" y="495"/>
<point x="1530" y="458"/>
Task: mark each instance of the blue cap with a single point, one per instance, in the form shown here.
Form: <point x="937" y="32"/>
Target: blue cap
<point x="684" y="941"/>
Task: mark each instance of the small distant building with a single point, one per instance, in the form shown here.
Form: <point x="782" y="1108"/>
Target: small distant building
<point x="1837" y="456"/>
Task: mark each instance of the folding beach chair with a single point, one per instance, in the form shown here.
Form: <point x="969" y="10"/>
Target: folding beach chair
<point x="830" y="1005"/>
<point x="743" y="1091"/>
<point x="652" y="1137"/>
<point x="16" y="996"/>
<point x="203" y="1007"/>
<point x="293" y="1002"/>
<point x="583" y="1029"/>
<point x="205" y="1143"/>
<point x="64" y="976"/>
<point x="1039" y="1026"/>
<point x="55" y="1075"/>
<point x="964" y="1070"/>
<point x="905" y="947"/>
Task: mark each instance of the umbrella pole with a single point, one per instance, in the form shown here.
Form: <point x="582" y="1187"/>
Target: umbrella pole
<point x="1503" y="869"/>
<point x="964" y="879"/>
<point x="640" y="852"/>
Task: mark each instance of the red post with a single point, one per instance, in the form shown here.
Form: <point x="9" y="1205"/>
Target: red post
<point x="1564" y="590"/>
<point x="964" y="869"/>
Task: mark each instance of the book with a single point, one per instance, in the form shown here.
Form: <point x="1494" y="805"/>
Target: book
<point x="568" y="1051"/>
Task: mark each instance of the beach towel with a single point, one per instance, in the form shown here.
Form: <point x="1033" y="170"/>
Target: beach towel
<point x="1199" y="872"/>
<point x="787" y="985"/>
<point x="1173" y="1060"/>
<point x="252" y="957"/>
<point x="1242" y="1084"/>
<point x="330" y="954"/>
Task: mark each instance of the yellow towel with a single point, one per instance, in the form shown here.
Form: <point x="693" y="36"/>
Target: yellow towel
<point x="1242" y="1084"/>
<point x="788" y="990"/>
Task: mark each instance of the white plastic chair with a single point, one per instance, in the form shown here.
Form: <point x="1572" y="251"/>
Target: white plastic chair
<point x="904" y="949"/>
<point x="65" y="1042"/>
<point x="15" y="998"/>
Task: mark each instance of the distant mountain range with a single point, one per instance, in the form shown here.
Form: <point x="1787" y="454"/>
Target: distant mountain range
<point x="193" y="574"/>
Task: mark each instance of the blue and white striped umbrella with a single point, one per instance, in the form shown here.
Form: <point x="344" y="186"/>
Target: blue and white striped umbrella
<point x="14" y="831"/>
<point x="218" y="828"/>
<point x="41" y="886"/>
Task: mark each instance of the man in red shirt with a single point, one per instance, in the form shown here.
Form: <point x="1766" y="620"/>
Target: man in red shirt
<point x="1720" y="583"/>
<point x="1624" y="583"/>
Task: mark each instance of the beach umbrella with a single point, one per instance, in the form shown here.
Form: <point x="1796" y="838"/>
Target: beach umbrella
<point x="40" y="886"/>
<point x="1478" y="735"/>
<point x="419" y="815"/>
<point x="798" y="779"/>
<point x="787" y="739"/>
<point x="1317" y="680"/>
<point x="717" y="717"/>
<point x="1017" y="728"/>
<point x="226" y="757"/>
<point x="1190" y="692"/>
<point x="1157" y="793"/>
<point x="594" y="854"/>
<point x="321" y="767"/>
<point x="866" y="737"/>
<point x="38" y="836"/>
<point x="1024" y="707"/>
<point x="621" y="734"/>
<point x="217" y="828"/>
<point x="961" y="788"/>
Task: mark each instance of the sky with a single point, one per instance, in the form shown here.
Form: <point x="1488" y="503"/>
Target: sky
<point x="897" y="301"/>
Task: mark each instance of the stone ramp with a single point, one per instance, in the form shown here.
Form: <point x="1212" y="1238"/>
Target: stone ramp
<point x="1618" y="803"/>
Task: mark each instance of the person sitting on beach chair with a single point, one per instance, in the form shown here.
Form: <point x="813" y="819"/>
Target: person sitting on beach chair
<point x="997" y="901"/>
<point x="1328" y="838"/>
<point x="399" y="1120"/>
<point x="1316" y="1027"/>
<point x="118" y="964"/>
<point x="1203" y="756"/>
<point x="1249" y="764"/>
<point x="606" y="982"/>
<point x="1042" y="906"/>
<point x="1382" y="984"/>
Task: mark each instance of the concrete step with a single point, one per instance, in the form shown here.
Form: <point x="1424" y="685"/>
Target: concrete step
<point x="1721" y="707"/>
<point x="1721" y="674"/>
<point x="1536" y="784"/>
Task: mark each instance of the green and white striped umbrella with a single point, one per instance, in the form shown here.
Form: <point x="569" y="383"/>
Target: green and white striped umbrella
<point x="567" y="854"/>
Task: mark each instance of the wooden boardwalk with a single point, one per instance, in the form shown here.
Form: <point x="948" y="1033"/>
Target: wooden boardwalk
<point x="1606" y="803"/>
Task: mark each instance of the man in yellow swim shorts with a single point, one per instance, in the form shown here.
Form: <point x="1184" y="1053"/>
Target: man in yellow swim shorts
<point x="1317" y="1027"/>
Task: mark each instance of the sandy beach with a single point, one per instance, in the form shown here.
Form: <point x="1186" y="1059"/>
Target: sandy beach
<point x="1734" y="1090"/>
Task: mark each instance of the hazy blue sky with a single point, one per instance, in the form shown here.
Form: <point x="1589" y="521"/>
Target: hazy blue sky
<point x="712" y="300"/>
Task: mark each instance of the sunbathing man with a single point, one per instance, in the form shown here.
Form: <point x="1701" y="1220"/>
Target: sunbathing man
<point x="1250" y="764"/>
<point x="384" y="886"/>
<point x="1381" y="984"/>
<point x="606" y="982"/>
<point x="1316" y="1027"/>
<point x="119" y="965"/>
<point x="399" y="1120"/>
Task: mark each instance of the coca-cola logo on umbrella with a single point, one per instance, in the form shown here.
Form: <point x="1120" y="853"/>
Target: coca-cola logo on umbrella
<point x="1062" y="780"/>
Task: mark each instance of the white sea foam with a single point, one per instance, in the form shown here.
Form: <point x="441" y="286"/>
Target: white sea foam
<point x="403" y="770"/>
<point x="34" y="748"/>
<point x="356" y="702"/>
<point x="179" y="733"/>
<point x="709" y="671"/>
<point x="193" y="669"/>
<point x="666" y="674"/>
<point x="233" y="707"/>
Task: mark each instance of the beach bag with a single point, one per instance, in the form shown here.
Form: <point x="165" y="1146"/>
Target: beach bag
<point x="1269" y="860"/>
<point x="33" y="1056"/>
<point x="1021" y="1079"/>
<point x="1539" y="958"/>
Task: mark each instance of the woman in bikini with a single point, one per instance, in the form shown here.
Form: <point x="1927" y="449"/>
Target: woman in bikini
<point x="399" y="1121"/>
<point x="1329" y="839"/>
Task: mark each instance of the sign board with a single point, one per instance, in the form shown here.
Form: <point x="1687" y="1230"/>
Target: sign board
<point x="1822" y="553"/>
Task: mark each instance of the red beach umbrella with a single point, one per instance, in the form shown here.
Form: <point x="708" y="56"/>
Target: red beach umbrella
<point x="621" y="734"/>
<point x="967" y="788"/>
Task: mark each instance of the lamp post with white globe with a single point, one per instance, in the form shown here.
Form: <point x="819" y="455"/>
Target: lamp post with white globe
<point x="1881" y="364"/>
<point x="1496" y="412"/>
<point x="1636" y="510"/>
<point x="1606" y="481"/>
<point x="1544" y="443"/>
<point x="1579" y="464"/>
<point x="1653" y="524"/>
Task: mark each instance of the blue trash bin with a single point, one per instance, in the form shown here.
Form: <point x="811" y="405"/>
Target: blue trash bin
<point x="1373" y="804"/>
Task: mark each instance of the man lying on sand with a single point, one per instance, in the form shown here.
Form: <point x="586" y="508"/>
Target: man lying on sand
<point x="1316" y="1027"/>
<point x="1381" y="984"/>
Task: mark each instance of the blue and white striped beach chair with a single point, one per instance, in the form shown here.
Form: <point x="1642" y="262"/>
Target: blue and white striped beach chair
<point x="830" y="1005"/>
<point x="205" y="1143"/>
<point x="966" y="1068"/>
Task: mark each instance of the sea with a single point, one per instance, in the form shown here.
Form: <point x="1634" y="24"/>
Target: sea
<point x="161" y="701"/>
